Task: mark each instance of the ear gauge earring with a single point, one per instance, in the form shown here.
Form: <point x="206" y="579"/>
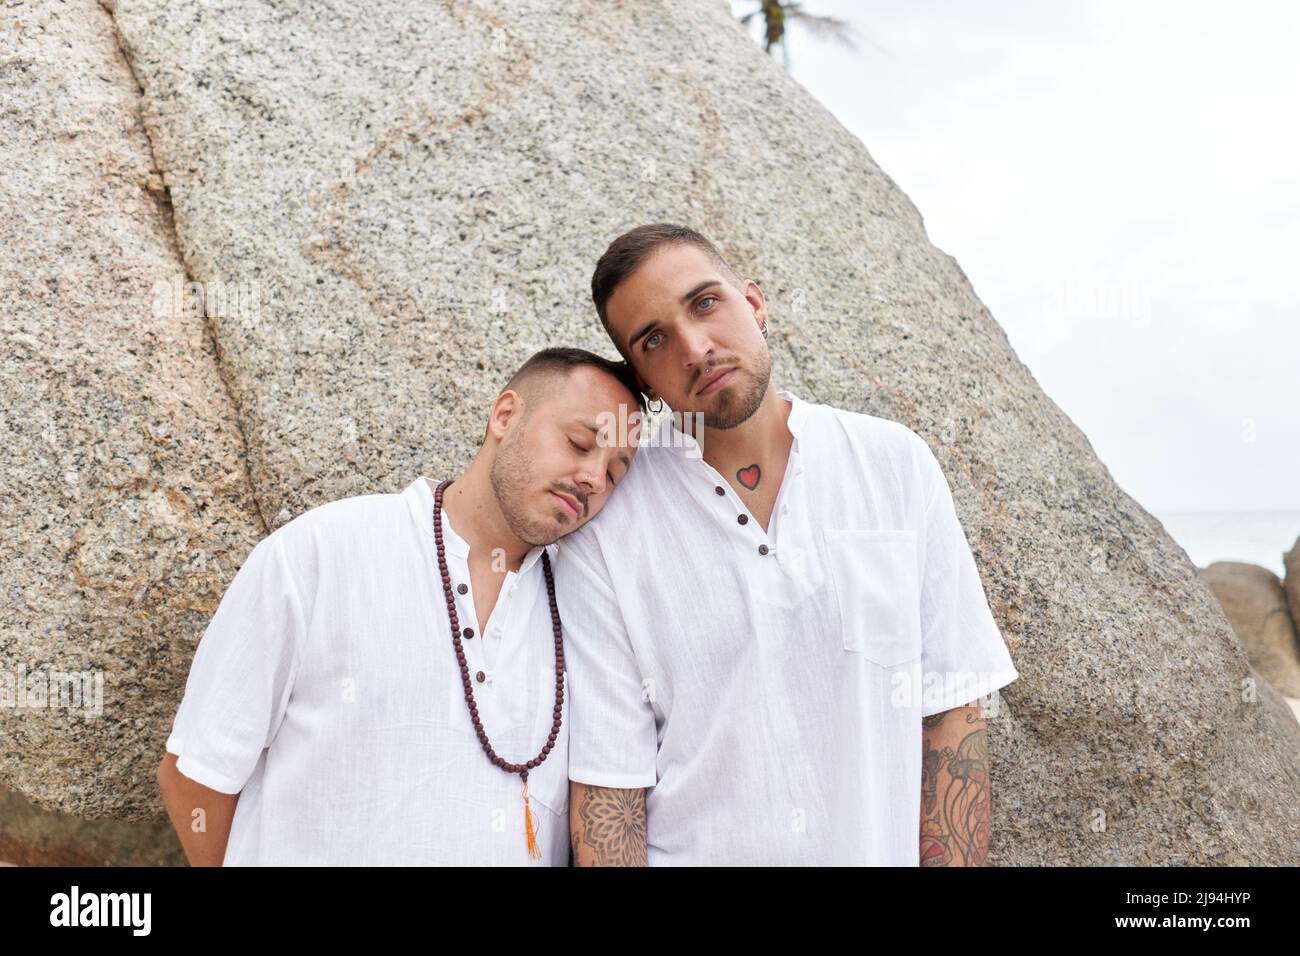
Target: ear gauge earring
<point x="764" y="330"/>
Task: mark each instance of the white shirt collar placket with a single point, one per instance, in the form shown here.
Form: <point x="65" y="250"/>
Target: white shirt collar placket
<point x="489" y="656"/>
<point x="706" y="476"/>
<point x="476" y="655"/>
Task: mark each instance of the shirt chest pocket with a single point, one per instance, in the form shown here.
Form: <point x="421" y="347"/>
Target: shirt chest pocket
<point x="877" y="590"/>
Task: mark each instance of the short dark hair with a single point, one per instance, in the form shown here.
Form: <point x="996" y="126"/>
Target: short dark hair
<point x="626" y="253"/>
<point x="560" y="360"/>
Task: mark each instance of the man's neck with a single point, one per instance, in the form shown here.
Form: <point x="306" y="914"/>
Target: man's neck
<point x="765" y="437"/>
<point x="472" y="509"/>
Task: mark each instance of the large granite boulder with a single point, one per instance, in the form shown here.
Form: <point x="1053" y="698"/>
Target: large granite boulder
<point x="126" y="502"/>
<point x="416" y="192"/>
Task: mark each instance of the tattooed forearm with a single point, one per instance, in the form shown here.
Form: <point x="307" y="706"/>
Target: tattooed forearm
<point x="607" y="826"/>
<point x="954" y="789"/>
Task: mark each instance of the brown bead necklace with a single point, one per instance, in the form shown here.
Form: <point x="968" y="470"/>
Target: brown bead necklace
<point x="519" y="768"/>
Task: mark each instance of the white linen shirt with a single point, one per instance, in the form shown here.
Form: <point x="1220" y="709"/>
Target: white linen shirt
<point x="773" y="701"/>
<point x="325" y="691"/>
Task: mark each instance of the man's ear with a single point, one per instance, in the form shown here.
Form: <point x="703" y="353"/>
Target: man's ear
<point x="508" y="406"/>
<point x="757" y="301"/>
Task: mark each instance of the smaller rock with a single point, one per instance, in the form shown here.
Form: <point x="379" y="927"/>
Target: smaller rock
<point x="1256" y="606"/>
<point x="1291" y="584"/>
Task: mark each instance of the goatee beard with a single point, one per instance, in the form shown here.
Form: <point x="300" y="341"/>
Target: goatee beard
<point x="730" y="410"/>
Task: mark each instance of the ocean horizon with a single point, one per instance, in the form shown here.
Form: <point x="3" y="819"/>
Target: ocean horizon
<point x="1255" y="537"/>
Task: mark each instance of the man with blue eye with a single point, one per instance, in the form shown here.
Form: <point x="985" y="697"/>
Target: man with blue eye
<point x="776" y="634"/>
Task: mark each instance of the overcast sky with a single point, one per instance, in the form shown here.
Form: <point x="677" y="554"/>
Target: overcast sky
<point x="1119" y="182"/>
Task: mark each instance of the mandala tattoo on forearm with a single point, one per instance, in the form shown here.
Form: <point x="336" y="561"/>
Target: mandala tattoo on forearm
<point x="955" y="802"/>
<point x="613" y="826"/>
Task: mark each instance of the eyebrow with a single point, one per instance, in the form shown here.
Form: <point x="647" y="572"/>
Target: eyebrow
<point x="645" y="329"/>
<point x="697" y="290"/>
<point x="622" y="456"/>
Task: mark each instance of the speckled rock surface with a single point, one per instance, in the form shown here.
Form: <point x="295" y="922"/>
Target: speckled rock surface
<point x="1255" y="605"/>
<point x="417" y="191"/>
<point x="125" y="502"/>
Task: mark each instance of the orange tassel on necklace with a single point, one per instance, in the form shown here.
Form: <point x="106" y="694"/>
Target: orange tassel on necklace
<point x="529" y="831"/>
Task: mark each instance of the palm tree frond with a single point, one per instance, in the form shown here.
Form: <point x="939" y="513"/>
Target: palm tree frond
<point x="823" y="26"/>
<point x="777" y="15"/>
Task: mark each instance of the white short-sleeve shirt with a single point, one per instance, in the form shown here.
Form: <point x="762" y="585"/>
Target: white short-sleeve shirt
<point x="325" y="691"/>
<point x="769" y="686"/>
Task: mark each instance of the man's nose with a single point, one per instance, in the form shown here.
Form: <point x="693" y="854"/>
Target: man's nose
<point x="697" y="348"/>
<point x="590" y="481"/>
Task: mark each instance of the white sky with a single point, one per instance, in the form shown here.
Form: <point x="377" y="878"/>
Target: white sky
<point x="1119" y="182"/>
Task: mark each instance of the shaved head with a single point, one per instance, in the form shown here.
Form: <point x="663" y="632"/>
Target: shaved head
<point x="536" y="384"/>
<point x="546" y="372"/>
<point x="560" y="435"/>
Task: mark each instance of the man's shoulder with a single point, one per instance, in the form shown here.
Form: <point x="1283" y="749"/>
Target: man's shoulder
<point x="638" y="498"/>
<point x="340" y="521"/>
<point x="860" y="427"/>
<point x="883" y="447"/>
<point x="655" y="463"/>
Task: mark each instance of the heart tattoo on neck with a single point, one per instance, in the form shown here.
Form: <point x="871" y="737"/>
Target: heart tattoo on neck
<point x="748" y="477"/>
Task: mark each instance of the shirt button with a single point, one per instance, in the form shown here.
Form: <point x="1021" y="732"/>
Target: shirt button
<point x="480" y="677"/>
<point x="468" y="632"/>
<point x="462" y="588"/>
<point x="719" y="489"/>
<point x="762" y="549"/>
<point x="742" y="519"/>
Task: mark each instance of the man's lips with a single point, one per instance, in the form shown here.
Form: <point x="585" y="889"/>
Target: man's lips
<point x="712" y="386"/>
<point x="569" y="503"/>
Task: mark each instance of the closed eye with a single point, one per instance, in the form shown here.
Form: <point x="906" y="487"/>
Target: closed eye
<point x="608" y="475"/>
